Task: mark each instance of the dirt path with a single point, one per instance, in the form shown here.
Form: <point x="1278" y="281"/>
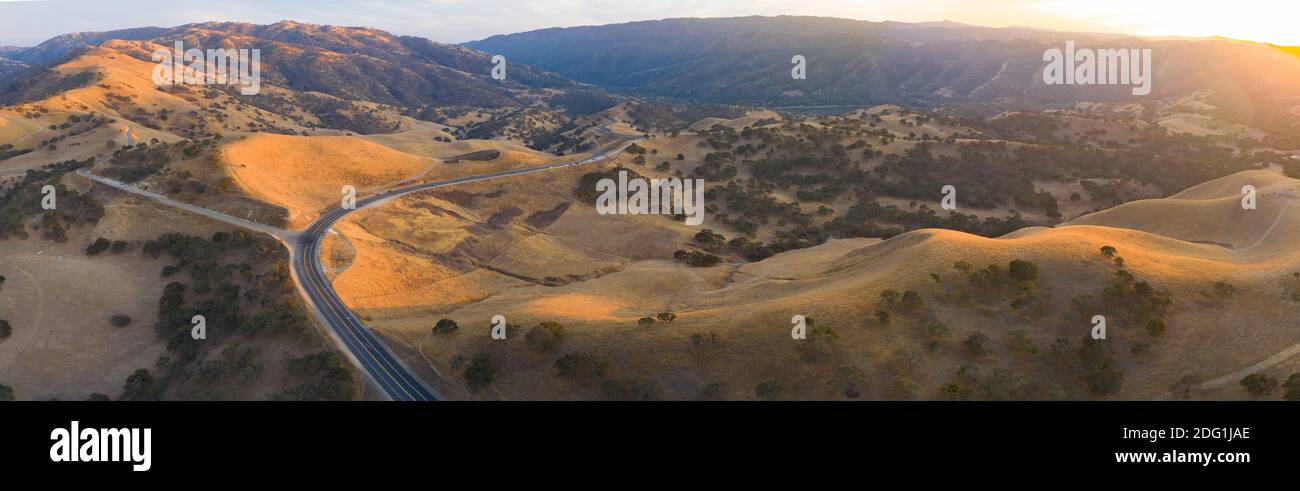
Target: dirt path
<point x="1276" y="221"/>
<point x="36" y="319"/>
<point x="1269" y="362"/>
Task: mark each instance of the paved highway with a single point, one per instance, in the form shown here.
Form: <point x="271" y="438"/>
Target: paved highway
<point x="366" y="349"/>
<point x="371" y="353"/>
<point x="254" y="226"/>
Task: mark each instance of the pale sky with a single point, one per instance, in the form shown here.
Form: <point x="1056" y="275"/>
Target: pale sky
<point x="26" y="23"/>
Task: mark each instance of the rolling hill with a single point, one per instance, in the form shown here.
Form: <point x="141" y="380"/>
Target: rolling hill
<point x="423" y="258"/>
<point x="348" y="62"/>
<point x="827" y="214"/>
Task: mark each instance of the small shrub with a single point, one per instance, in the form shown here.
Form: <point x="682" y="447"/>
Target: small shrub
<point x="581" y="365"/>
<point x="1259" y="385"/>
<point x="977" y="345"/>
<point x="445" y="326"/>
<point x="99" y="245"/>
<point x="480" y="372"/>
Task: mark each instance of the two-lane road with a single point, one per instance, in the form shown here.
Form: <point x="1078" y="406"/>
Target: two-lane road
<point x="367" y="350"/>
<point x="371" y="353"/>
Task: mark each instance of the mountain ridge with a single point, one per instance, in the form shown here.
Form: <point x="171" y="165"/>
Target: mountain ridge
<point x="747" y="60"/>
<point x="350" y="62"/>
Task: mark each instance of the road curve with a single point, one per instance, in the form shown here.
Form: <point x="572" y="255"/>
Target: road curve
<point x="369" y="352"/>
<point x="372" y="354"/>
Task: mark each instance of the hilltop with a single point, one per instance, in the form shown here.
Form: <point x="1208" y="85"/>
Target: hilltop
<point x="597" y="278"/>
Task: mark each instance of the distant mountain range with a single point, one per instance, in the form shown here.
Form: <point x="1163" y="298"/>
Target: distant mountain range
<point x="60" y="47"/>
<point x="849" y="62"/>
<point x="744" y="60"/>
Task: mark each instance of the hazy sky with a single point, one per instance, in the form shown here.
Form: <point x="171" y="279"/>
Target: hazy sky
<point x="26" y="23"/>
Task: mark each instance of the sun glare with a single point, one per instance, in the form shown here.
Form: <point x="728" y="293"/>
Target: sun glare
<point x="1251" y="20"/>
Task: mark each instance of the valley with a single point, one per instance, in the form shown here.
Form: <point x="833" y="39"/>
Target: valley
<point x="478" y="199"/>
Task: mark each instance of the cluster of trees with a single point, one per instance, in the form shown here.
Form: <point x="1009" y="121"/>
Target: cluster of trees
<point x="1263" y="385"/>
<point x="661" y="317"/>
<point x="934" y="332"/>
<point x="480" y="372"/>
<point x="909" y="300"/>
<point x="133" y="163"/>
<point x="862" y="220"/>
<point x="141" y="386"/>
<point x="323" y="375"/>
<point x="101" y="244"/>
<point x="568" y="138"/>
<point x="582" y="102"/>
<point x="581" y="365"/>
<point x="988" y="175"/>
<point x="1101" y="371"/>
<point x="586" y="190"/>
<point x="812" y="162"/>
<point x="1150" y="154"/>
<point x="241" y="286"/>
<point x="22" y="201"/>
<point x="332" y="112"/>
<point x="717" y="167"/>
<point x="1259" y="384"/>
<point x="1018" y="281"/>
<point x="531" y="125"/>
<point x="753" y="206"/>
<point x="1054" y="375"/>
<point x="671" y="118"/>
<point x="235" y="365"/>
<point x="697" y="259"/>
<point x="92" y="123"/>
<point x="1093" y="364"/>
<point x="7" y="151"/>
<point x="1061" y="371"/>
<point x="784" y="240"/>
<point x="1136" y="303"/>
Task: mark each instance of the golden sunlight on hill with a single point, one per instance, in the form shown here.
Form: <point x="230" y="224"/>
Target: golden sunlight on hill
<point x="307" y="174"/>
<point x="748" y="305"/>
